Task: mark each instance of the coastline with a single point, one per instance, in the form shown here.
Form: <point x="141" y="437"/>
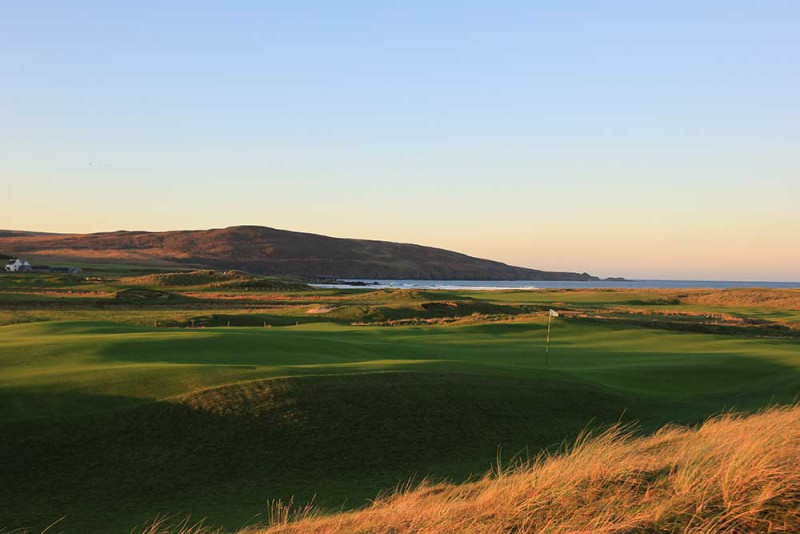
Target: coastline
<point x="533" y="285"/>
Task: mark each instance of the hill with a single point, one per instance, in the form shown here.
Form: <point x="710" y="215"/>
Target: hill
<point x="270" y="251"/>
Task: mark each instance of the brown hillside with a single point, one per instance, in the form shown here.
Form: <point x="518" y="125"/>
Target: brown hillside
<point x="271" y="251"/>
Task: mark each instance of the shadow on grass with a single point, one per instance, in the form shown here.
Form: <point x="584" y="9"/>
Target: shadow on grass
<point x="224" y="452"/>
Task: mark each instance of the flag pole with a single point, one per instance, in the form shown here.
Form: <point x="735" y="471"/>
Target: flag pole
<point x="547" y="347"/>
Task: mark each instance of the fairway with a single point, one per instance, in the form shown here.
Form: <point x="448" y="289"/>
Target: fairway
<point x="77" y="364"/>
<point x="106" y="422"/>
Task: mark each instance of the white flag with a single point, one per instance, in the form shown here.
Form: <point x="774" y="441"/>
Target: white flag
<point x="553" y="313"/>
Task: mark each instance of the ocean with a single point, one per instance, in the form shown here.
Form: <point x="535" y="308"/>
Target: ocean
<point x="488" y="285"/>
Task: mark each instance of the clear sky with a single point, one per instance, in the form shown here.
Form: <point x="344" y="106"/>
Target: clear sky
<point x="640" y="139"/>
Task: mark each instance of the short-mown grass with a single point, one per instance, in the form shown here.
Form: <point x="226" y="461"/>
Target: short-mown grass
<point x="108" y="423"/>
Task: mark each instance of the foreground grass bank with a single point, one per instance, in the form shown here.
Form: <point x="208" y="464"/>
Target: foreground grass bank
<point x="731" y="475"/>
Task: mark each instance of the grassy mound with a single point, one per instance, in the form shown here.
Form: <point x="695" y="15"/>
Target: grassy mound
<point x="215" y="280"/>
<point x="418" y="312"/>
<point x="731" y="475"/>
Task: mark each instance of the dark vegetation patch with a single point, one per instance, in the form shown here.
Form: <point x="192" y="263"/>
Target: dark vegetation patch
<point x="447" y="306"/>
<point x="217" y="280"/>
<point x="658" y="301"/>
<point x="406" y="295"/>
<point x="32" y="281"/>
<point x="239" y="319"/>
<point x="420" y="311"/>
<point x="141" y="293"/>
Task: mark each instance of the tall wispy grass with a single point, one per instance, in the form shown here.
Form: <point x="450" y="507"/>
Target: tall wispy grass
<point x="734" y="474"/>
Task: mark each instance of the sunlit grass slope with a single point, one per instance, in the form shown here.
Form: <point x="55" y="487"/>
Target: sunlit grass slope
<point x="106" y="423"/>
<point x="62" y="369"/>
<point x="732" y="475"/>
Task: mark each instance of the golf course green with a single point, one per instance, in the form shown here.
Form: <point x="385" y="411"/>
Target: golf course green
<point x="108" y="424"/>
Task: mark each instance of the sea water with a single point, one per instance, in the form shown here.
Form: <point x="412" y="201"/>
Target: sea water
<point x="488" y="285"/>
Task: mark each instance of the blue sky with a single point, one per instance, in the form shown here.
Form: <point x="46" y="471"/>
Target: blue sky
<point x="638" y="139"/>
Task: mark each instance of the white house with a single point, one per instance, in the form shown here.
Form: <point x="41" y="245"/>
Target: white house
<point x="17" y="265"/>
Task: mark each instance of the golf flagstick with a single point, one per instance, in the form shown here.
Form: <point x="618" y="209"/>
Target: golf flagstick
<point x="552" y="314"/>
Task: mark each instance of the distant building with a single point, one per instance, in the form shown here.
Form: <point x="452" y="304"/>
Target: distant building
<point x="17" y="265"/>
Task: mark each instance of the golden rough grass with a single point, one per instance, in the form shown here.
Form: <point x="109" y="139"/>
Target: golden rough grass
<point x="733" y="474"/>
<point x="769" y="298"/>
